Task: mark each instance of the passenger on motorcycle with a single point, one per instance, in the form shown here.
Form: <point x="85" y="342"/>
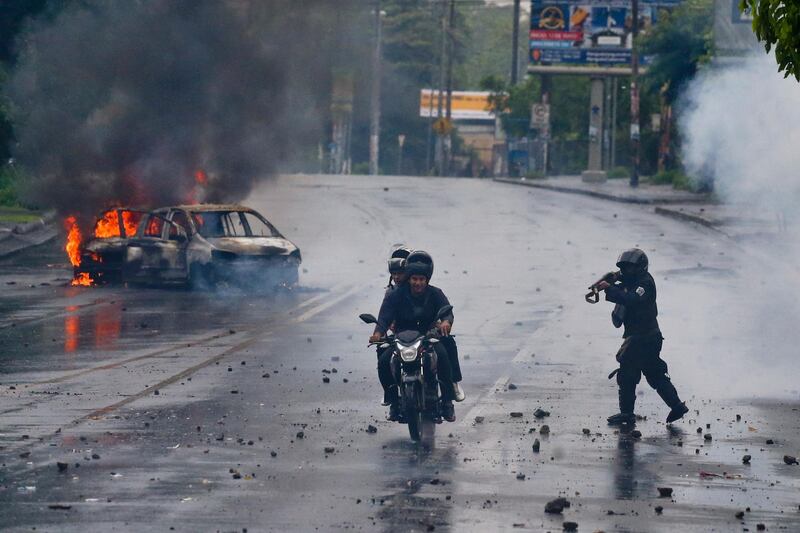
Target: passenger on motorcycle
<point x="413" y="306"/>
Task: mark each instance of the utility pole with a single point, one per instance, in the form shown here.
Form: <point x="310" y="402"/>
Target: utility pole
<point x="448" y="140"/>
<point x="515" y="45"/>
<point x="440" y="100"/>
<point x="635" y="145"/>
<point x="375" y="97"/>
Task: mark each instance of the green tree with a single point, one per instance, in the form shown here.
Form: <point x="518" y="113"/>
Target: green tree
<point x="512" y="103"/>
<point x="776" y="23"/>
<point x="680" y="42"/>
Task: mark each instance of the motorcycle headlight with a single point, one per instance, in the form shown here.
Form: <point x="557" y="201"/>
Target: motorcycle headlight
<point x="409" y="353"/>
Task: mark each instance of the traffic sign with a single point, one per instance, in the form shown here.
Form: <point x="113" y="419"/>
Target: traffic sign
<point x="540" y="116"/>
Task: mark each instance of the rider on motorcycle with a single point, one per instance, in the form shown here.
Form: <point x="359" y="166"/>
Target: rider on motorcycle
<point x="413" y="306"/>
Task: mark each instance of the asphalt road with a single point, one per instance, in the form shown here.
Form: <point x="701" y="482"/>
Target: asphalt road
<point x="175" y="410"/>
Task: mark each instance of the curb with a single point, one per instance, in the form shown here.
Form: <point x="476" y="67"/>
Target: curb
<point x="603" y="195"/>
<point x="686" y="217"/>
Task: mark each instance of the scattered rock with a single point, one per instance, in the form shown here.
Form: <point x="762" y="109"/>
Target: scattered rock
<point x="371" y="429"/>
<point x="556" y="506"/>
<point x="544" y="430"/>
<point x="521" y="476"/>
<point x="329" y="449"/>
<point x="326" y="379"/>
<point x="541" y="413"/>
<point x="265" y="375"/>
<point x="746" y="459"/>
<point x="62" y="466"/>
<point x="59" y="507"/>
<point x="516" y="414"/>
<point x="95" y="456"/>
<point x="789" y="460"/>
<point x="273" y="453"/>
<point x="300" y="435"/>
<point x="636" y="434"/>
<point x="770" y="442"/>
<point x="707" y="436"/>
<point x="739" y="514"/>
<point x="511" y="386"/>
<point x="738" y="418"/>
<point x="665" y="492"/>
<point x="761" y="527"/>
<point x="586" y="431"/>
<point x="659" y="509"/>
<point x="479" y="420"/>
<point x="536" y="446"/>
<point x="570" y="526"/>
<point x="335" y="358"/>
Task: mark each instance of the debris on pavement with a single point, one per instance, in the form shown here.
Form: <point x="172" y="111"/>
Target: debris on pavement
<point x="556" y="506"/>
<point x="541" y="413"/>
<point x="665" y="492"/>
<point x="790" y="460"/>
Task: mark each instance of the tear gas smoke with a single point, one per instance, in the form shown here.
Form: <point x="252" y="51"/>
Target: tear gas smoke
<point x="741" y="127"/>
<point x="125" y="102"/>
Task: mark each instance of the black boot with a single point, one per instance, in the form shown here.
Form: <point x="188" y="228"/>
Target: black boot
<point x="627" y="399"/>
<point x="677" y="412"/>
<point x="448" y="411"/>
<point x="621" y="419"/>
<point x="394" y="411"/>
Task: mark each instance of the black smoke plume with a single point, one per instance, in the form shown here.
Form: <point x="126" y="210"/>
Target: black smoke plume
<point x="123" y="102"/>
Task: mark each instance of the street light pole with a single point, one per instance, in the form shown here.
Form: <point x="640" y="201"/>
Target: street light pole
<point x="375" y="97"/>
<point x="635" y="144"/>
<point x="515" y="45"/>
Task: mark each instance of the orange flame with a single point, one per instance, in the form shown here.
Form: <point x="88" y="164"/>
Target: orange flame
<point x="108" y="226"/>
<point x="74" y="239"/>
<point x="82" y="279"/>
<point x="200" y="177"/>
<point x="131" y="222"/>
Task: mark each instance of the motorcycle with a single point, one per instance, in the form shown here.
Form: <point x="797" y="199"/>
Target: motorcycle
<point x="414" y="367"/>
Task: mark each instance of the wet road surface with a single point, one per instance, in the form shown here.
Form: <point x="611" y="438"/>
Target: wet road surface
<point x="238" y="409"/>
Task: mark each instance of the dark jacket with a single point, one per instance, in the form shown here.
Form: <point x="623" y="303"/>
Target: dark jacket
<point x="410" y="313"/>
<point x="639" y="300"/>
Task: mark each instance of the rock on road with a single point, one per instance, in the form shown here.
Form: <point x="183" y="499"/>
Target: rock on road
<point x="158" y="409"/>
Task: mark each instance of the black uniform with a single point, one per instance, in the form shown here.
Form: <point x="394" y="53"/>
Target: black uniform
<point x="640" y="352"/>
<point x="409" y="312"/>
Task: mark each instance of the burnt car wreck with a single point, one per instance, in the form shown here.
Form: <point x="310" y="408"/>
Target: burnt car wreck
<point x="196" y="245"/>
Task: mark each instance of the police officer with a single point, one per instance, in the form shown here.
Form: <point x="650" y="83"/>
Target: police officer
<point x="633" y="290"/>
<point x="414" y="306"/>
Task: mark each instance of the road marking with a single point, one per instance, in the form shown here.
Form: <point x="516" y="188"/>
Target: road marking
<point x="480" y="402"/>
<point x="305" y="316"/>
<point x="68" y="310"/>
<point x="170" y="380"/>
<point x="322" y="307"/>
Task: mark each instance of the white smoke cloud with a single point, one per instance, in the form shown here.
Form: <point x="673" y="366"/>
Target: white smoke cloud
<point x="741" y="125"/>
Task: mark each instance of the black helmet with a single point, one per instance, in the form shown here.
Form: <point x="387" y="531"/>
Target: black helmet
<point x="397" y="262"/>
<point x="633" y="261"/>
<point x="419" y="263"/>
<point x="401" y="252"/>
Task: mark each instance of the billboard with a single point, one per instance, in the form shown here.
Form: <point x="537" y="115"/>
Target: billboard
<point x="585" y="32"/>
<point x="465" y="105"/>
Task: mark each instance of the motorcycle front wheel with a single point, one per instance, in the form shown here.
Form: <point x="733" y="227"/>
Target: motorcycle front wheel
<point x="414" y="421"/>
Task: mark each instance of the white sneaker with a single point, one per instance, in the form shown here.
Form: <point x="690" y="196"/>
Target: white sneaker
<point x="459" y="392"/>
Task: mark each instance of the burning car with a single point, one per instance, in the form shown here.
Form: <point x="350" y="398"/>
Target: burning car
<point x="191" y="244"/>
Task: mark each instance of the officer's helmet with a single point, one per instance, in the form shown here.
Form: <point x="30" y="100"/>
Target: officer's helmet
<point x="632" y="263"/>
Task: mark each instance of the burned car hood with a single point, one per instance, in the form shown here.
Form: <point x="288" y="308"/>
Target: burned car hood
<point x="259" y="246"/>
